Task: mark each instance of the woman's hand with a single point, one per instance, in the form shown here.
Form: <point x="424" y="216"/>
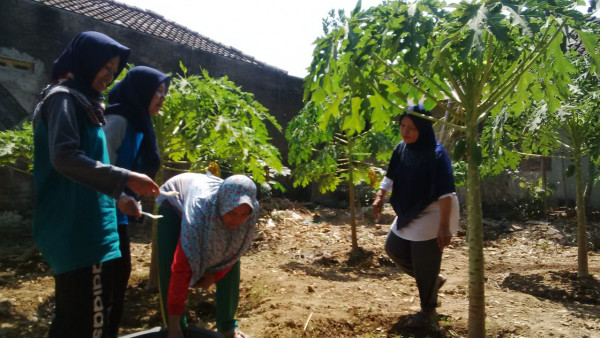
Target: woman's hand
<point x="128" y="205"/>
<point x="206" y="281"/>
<point x="444" y="237"/>
<point x="378" y="204"/>
<point x="142" y="184"/>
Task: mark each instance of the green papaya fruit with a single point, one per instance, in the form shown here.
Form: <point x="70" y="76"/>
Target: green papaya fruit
<point x="475" y="152"/>
<point x="570" y="170"/>
<point x="459" y="149"/>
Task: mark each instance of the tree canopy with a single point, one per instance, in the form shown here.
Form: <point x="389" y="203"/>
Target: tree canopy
<point x="207" y="119"/>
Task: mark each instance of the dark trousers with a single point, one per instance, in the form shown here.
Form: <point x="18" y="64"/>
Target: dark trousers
<point x="84" y="300"/>
<point x="422" y="261"/>
<point x="228" y="287"/>
<point x="123" y="271"/>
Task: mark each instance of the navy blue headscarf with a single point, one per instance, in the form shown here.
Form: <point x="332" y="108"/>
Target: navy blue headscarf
<point x="131" y="98"/>
<point x="412" y="168"/>
<point x="83" y="58"/>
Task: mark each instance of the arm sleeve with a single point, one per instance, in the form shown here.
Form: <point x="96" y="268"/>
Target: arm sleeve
<point x="115" y="130"/>
<point x="181" y="274"/>
<point x="386" y="184"/>
<point x="445" y="177"/>
<point x="393" y="164"/>
<point x="66" y="156"/>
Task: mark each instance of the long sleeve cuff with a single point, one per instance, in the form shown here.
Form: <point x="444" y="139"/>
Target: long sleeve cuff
<point x="386" y="184"/>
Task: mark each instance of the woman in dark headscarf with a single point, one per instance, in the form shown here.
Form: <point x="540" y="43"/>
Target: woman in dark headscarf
<point x="420" y="178"/>
<point x="208" y="225"/>
<point x="133" y="101"/>
<point x="74" y="223"/>
<point x="131" y="143"/>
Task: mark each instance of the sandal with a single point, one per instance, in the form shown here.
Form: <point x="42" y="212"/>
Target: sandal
<point x="234" y="333"/>
<point x="419" y="320"/>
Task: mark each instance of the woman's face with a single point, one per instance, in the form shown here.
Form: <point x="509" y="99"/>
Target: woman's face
<point x="237" y="216"/>
<point x="106" y="75"/>
<point x="410" y="133"/>
<point x="157" y="100"/>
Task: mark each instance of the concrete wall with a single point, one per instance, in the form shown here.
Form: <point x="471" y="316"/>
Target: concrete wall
<point x="36" y="33"/>
<point x="21" y="85"/>
<point x="505" y="191"/>
<point x="564" y="187"/>
<point x="16" y="194"/>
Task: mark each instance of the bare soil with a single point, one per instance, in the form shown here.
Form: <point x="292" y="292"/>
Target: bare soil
<point x="299" y="280"/>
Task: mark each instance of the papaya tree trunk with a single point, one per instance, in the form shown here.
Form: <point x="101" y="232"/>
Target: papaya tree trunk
<point x="475" y="239"/>
<point x="582" y="251"/>
<point x="153" y="269"/>
<point x="544" y="187"/>
<point x="589" y="187"/>
<point x="564" y="184"/>
<point x="352" y="211"/>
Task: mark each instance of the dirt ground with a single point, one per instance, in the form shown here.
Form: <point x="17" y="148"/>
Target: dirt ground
<point x="298" y="280"/>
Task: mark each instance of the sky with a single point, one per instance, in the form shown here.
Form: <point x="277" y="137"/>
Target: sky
<point x="279" y="33"/>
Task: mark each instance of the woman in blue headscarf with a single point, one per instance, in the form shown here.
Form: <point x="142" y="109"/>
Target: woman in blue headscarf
<point x="208" y="225"/>
<point x="131" y="144"/>
<point x="129" y="131"/>
<point x="74" y="223"/>
<point x="423" y="197"/>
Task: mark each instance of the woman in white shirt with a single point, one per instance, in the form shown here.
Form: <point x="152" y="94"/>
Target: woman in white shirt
<point x="420" y="178"/>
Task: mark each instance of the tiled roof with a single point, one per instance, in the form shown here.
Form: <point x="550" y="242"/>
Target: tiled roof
<point x="574" y="41"/>
<point x="148" y="22"/>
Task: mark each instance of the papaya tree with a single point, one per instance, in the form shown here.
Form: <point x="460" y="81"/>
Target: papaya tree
<point x="483" y="57"/>
<point x="336" y="155"/>
<point x="574" y="131"/>
<point x="571" y="132"/>
<point x="16" y="148"/>
<point x="16" y="153"/>
<point x="342" y="148"/>
<point x="205" y="120"/>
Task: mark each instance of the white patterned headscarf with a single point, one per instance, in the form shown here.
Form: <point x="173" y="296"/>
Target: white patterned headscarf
<point x="207" y="242"/>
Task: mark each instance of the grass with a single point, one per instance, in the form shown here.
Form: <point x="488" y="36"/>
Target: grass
<point x="256" y="294"/>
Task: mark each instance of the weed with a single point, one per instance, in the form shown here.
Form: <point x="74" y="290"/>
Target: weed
<point x="276" y="217"/>
<point x="255" y="296"/>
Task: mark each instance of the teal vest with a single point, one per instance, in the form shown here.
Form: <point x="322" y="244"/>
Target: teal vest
<point x="73" y="226"/>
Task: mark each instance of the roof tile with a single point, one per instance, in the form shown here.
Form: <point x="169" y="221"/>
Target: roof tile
<point x="148" y="22"/>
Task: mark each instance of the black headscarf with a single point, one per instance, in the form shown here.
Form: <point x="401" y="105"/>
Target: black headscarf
<point x="131" y="98"/>
<point x="412" y="168"/>
<point x="83" y="58"/>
